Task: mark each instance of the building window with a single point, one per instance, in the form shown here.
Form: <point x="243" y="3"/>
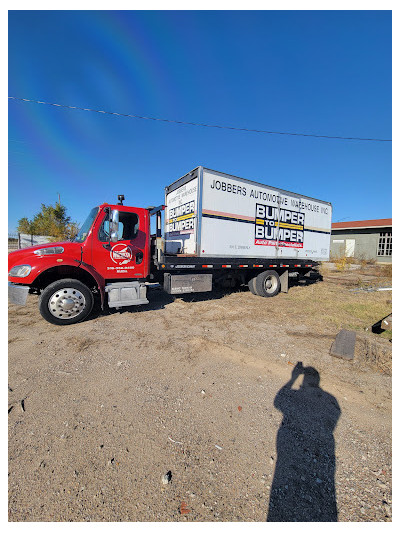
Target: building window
<point x="385" y="243"/>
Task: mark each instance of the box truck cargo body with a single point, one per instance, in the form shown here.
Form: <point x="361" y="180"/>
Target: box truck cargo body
<point x="212" y="214"/>
<point x="219" y="231"/>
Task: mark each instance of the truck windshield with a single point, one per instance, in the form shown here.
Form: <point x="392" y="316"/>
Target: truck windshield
<point x="83" y="232"/>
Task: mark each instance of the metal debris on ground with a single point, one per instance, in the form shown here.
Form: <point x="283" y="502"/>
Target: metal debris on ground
<point x="382" y="325"/>
<point x="371" y="289"/>
<point x="387" y="322"/>
<point x="175" y="441"/>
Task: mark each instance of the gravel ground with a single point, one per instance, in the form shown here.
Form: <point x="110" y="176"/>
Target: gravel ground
<point x="193" y="409"/>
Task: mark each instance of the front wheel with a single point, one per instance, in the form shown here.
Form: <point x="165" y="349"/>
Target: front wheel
<point x="66" y="301"/>
<point x="268" y="283"/>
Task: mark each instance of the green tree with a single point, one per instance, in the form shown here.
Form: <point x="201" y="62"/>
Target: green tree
<point x="52" y="221"/>
<point x="24" y="226"/>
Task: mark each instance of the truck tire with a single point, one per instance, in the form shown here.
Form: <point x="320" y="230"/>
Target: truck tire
<point x="268" y="283"/>
<point x="252" y="286"/>
<point x="66" y="301"/>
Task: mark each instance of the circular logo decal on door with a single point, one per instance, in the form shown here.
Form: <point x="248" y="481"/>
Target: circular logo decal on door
<point x="121" y="254"/>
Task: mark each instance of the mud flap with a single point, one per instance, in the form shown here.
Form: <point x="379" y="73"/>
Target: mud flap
<point x="284" y="279"/>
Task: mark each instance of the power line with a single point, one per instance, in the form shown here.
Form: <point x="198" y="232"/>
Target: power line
<point x="200" y="124"/>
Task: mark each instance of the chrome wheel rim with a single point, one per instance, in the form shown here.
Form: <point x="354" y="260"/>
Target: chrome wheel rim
<point x="66" y="303"/>
<point x="270" y="283"/>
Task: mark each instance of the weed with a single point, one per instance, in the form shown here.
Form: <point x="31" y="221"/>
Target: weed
<point x="341" y="263"/>
<point x="376" y="354"/>
<point x="385" y="271"/>
<point x="359" y="283"/>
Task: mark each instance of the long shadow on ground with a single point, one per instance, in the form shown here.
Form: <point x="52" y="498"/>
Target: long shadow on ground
<point x="303" y="488"/>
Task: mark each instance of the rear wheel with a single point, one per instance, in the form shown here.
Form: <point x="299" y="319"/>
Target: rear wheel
<point x="267" y="283"/>
<point x="66" y="301"/>
<point x="252" y="286"/>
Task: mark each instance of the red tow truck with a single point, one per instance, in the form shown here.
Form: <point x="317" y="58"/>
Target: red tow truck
<point x="115" y="258"/>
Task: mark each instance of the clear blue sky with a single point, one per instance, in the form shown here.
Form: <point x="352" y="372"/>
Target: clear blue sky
<point x="317" y="72"/>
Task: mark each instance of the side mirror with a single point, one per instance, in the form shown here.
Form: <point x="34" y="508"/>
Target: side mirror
<point x="114" y="236"/>
<point x="114" y="221"/>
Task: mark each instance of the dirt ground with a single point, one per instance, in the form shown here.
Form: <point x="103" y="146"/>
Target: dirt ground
<point x="184" y="410"/>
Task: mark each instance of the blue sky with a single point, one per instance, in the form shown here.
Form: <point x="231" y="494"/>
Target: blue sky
<point x="316" y="72"/>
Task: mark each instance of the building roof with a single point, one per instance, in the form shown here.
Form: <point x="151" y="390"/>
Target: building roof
<point x="358" y="224"/>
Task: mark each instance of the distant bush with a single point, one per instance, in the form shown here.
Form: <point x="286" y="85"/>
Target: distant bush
<point x="341" y="263"/>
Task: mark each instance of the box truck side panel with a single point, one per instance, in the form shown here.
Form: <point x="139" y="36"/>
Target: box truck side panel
<point x="245" y="219"/>
<point x="181" y="211"/>
<point x="317" y="227"/>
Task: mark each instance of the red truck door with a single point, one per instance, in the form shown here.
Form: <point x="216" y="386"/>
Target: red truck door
<point x="129" y="256"/>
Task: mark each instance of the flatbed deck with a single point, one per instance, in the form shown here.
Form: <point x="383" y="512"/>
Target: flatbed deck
<point x="173" y="262"/>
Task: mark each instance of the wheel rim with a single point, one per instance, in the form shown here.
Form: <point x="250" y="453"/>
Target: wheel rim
<point x="66" y="303"/>
<point x="270" y="284"/>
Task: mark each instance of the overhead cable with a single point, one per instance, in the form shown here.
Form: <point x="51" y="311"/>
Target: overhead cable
<point x="181" y="122"/>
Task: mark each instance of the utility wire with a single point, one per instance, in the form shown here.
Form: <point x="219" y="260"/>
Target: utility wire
<point x="200" y="124"/>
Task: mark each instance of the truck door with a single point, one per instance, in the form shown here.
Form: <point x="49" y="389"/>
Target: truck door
<point x="128" y="257"/>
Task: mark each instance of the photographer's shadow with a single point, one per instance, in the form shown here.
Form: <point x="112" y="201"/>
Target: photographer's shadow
<point x="303" y="488"/>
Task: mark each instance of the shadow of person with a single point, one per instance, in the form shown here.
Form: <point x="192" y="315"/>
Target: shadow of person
<point x="303" y="488"/>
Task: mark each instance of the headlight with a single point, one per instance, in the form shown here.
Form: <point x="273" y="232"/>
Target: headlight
<point x="50" y="251"/>
<point x="20" y="271"/>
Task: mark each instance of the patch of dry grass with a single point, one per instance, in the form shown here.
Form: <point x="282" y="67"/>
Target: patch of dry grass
<point x="81" y="344"/>
<point x="322" y="308"/>
<point x="375" y="354"/>
<point x="329" y="306"/>
<point x="385" y="271"/>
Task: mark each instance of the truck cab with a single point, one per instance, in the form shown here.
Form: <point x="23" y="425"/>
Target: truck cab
<point x="117" y="243"/>
<point x="110" y="254"/>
